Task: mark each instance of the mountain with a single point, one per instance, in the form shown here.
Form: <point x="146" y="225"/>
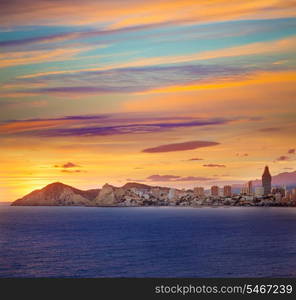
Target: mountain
<point x="136" y="185"/>
<point x="286" y="178"/>
<point x="58" y="194"/>
<point x="109" y="195"/>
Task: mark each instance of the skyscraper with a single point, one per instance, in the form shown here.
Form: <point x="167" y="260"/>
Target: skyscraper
<point x="227" y="191"/>
<point x="250" y="188"/>
<point x="266" y="181"/>
<point x="244" y="190"/>
<point x="215" y="190"/>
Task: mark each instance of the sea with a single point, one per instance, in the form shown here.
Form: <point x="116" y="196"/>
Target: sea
<point x="88" y="242"/>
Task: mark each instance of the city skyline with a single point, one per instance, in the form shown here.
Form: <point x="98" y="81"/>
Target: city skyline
<point x="137" y="194"/>
<point x="171" y="93"/>
<point x="253" y="187"/>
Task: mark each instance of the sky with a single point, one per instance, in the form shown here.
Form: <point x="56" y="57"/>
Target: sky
<point x="168" y="92"/>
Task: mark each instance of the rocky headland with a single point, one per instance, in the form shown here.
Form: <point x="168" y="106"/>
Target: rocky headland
<point x="137" y="194"/>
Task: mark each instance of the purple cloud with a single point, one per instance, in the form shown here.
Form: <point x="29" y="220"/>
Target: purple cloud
<point x="67" y="165"/>
<point x="162" y="177"/>
<point x="195" y="158"/>
<point x="117" y="124"/>
<point x="180" y="146"/>
<point x="169" y="178"/>
<point x="86" y="90"/>
<point x="72" y="171"/>
<point x="194" y="178"/>
<point x="126" y="80"/>
<point x="115" y="130"/>
<point x="282" y="158"/>
<point x="291" y="151"/>
<point x="214" y="166"/>
<point x="135" y="180"/>
<point x="270" y="129"/>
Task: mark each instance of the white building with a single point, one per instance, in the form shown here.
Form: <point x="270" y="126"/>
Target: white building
<point x="172" y="194"/>
<point x="278" y="197"/>
<point x="259" y="191"/>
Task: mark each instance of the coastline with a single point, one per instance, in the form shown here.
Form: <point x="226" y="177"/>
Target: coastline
<point x="154" y="206"/>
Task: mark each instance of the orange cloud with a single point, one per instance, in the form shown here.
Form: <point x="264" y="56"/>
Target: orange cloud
<point x="287" y="44"/>
<point x="29" y="125"/>
<point x="17" y="94"/>
<point x="190" y="11"/>
<point x="283" y="45"/>
<point x="10" y="59"/>
<point x="139" y="12"/>
<point x="247" y="95"/>
<point x="255" y="78"/>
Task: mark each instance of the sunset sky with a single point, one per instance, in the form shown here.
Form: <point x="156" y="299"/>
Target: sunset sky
<point x="176" y="93"/>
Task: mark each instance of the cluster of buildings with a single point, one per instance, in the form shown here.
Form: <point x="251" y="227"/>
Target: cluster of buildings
<point x="249" y="195"/>
<point x="247" y="189"/>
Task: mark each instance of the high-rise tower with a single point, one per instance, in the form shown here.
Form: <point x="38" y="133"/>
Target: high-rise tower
<point x="266" y="181"/>
<point x="215" y="190"/>
<point x="250" y="188"/>
<point x="227" y="191"/>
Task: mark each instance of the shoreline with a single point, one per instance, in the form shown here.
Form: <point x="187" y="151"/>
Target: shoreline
<point x="160" y="206"/>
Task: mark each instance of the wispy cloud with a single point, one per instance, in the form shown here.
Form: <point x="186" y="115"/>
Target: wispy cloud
<point x="72" y="171"/>
<point x="67" y="165"/>
<point x="253" y="78"/>
<point x="195" y="59"/>
<point x="40" y="39"/>
<point x="270" y="129"/>
<point x="242" y="154"/>
<point x="282" y="158"/>
<point x="105" y="125"/>
<point x="195" y="159"/>
<point x="135" y="13"/>
<point x="9" y="59"/>
<point x="170" y="178"/>
<point x="125" y="80"/>
<point x="286" y="44"/>
<point x="81" y="34"/>
<point x="194" y="178"/>
<point x="180" y="146"/>
<point x="214" y="166"/>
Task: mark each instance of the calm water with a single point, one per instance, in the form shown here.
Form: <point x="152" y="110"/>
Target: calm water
<point x="147" y="242"/>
